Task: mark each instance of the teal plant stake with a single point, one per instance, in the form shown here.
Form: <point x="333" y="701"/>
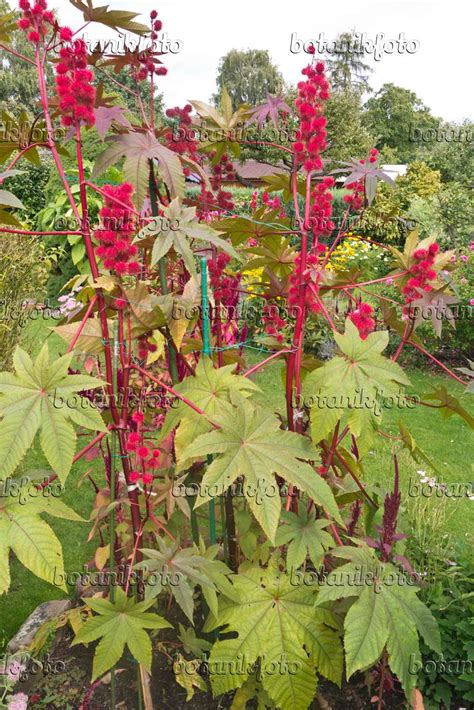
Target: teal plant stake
<point x="206" y="349"/>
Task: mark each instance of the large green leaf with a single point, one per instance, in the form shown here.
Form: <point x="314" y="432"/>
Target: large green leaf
<point x="250" y="444"/>
<point x="385" y="614"/>
<point x="117" y="624"/>
<point x="306" y="536"/>
<point x="180" y="570"/>
<point x="186" y="229"/>
<point x="28" y="536"/>
<point x="351" y="384"/>
<point x="40" y="397"/>
<point x="276" y="623"/>
<point x="207" y="390"/>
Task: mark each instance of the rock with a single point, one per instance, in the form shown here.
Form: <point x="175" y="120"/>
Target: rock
<point x="28" y="630"/>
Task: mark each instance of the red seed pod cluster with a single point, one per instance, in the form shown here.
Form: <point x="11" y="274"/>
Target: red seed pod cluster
<point x="179" y="138"/>
<point x="35" y="20"/>
<point x="357" y="198"/>
<point x="146" y="458"/>
<point x="148" y="63"/>
<point x="74" y="85"/>
<point x="273" y="203"/>
<point x="312" y="304"/>
<point x="362" y="319"/>
<point x="115" y="237"/>
<point x="311" y="135"/>
<point x="224" y="170"/>
<point x="421" y="272"/>
<point x="145" y="347"/>
<point x="224" y="287"/>
<point x="320" y="212"/>
<point x="273" y="323"/>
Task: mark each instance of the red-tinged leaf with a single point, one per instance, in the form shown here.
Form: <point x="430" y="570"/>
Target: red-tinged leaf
<point x="104" y="117"/>
<point x="110" y="18"/>
<point x="142" y="147"/>
<point x="268" y="110"/>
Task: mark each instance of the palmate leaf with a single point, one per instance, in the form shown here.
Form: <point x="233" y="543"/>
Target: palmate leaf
<point x="263" y="224"/>
<point x="435" y="305"/>
<point x="385" y="614"/>
<point x="180" y="239"/>
<point x="469" y="372"/>
<point x="306" y="536"/>
<point x="138" y="149"/>
<point x="38" y="398"/>
<point x="117" y="624"/>
<point x="207" y="390"/>
<point x="268" y="110"/>
<point x="106" y="115"/>
<point x="352" y="383"/>
<point x="110" y="18"/>
<point x="33" y="541"/>
<point x="7" y="26"/>
<point x="187" y="568"/>
<point x="222" y="120"/>
<point x="250" y="444"/>
<point x="276" y="623"/>
<point x="449" y="405"/>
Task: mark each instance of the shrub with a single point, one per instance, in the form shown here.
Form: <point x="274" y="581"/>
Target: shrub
<point x="23" y="274"/>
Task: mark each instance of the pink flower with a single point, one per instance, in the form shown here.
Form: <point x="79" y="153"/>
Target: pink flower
<point x="453" y="258"/>
<point x="471" y="302"/>
<point x="463" y="257"/>
<point x="19" y="701"/>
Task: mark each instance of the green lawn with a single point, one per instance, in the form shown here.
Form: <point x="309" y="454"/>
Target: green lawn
<point x="448" y="442"/>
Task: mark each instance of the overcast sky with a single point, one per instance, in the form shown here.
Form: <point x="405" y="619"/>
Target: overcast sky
<point x="439" y="71"/>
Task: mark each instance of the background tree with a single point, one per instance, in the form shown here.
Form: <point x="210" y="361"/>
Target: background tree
<point x="347" y="137"/>
<point x="18" y="80"/>
<point x="451" y="152"/>
<point x="345" y="68"/>
<point x="392" y="115"/>
<point x="248" y="76"/>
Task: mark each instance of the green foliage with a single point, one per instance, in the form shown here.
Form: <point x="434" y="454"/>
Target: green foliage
<point x="18" y="80"/>
<point x="189" y="567"/>
<point x="33" y="541"/>
<point x="189" y="228"/>
<point x="250" y="443"/>
<point x="346" y="70"/>
<point x="453" y="158"/>
<point x="388" y="218"/>
<point x="449" y="677"/>
<point x="276" y="623"/>
<point x="29" y="187"/>
<point x="390" y="113"/>
<point x="248" y="76"/>
<point x="360" y="368"/>
<point x="23" y="273"/>
<point x="306" y="535"/>
<point x="385" y="614"/>
<point x="207" y="390"/>
<point x="116" y="625"/>
<point x="347" y="136"/>
<point x="36" y="399"/>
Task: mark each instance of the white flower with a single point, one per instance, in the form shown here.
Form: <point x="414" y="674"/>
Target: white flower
<point x="421" y="472"/>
